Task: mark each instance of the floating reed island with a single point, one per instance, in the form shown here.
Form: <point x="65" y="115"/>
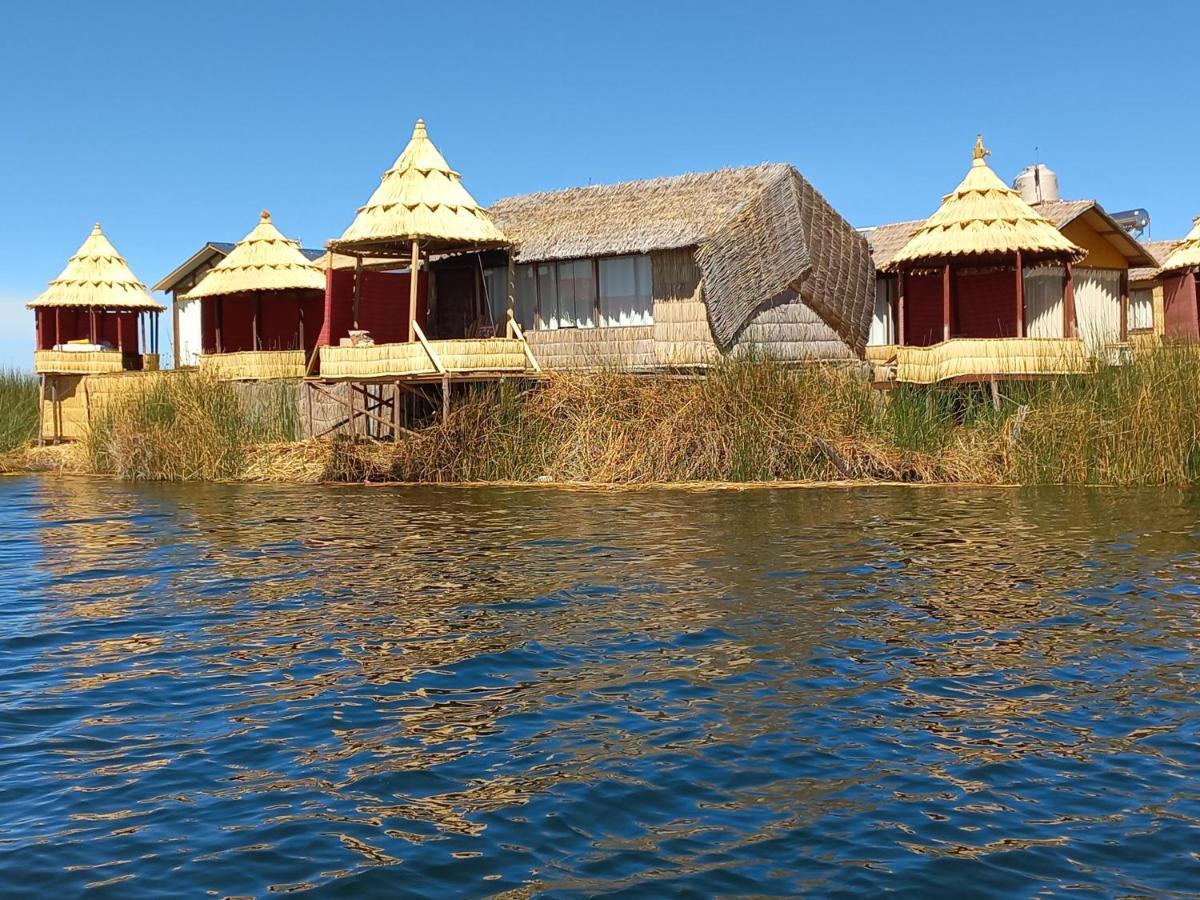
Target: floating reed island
<point x="735" y="316"/>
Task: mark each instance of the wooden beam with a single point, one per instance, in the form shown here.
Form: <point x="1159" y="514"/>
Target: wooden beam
<point x="902" y="281"/>
<point x="1020" y="277"/>
<point x="357" y="291"/>
<point x="512" y="291"/>
<point x="256" y="338"/>
<point x="57" y="326"/>
<point x="1069" y="323"/>
<point x="946" y="301"/>
<point x="429" y="351"/>
<point x="217" y="319"/>
<point x="300" y="319"/>
<point x="445" y="399"/>
<point x="92" y="324"/>
<point x="414" y="277"/>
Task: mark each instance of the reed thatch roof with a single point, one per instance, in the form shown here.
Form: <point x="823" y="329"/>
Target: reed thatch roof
<point x="887" y="240"/>
<point x="264" y="260"/>
<point x="983" y="216"/>
<point x="99" y="278"/>
<point x="1186" y="254"/>
<point x="420" y="199"/>
<point x="761" y="234"/>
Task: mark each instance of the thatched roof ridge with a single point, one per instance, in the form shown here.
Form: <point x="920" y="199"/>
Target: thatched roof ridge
<point x="984" y="216"/>
<point x="1186" y="254"/>
<point x="1159" y="251"/>
<point x="630" y="216"/>
<point x="97" y="277"/>
<point x="420" y="198"/>
<point x="887" y="240"/>
<point x="264" y="260"/>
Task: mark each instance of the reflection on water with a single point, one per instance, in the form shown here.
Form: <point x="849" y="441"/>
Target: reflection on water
<point x="243" y="690"/>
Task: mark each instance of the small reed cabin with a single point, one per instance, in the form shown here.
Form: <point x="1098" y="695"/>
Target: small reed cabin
<point x="987" y="287"/>
<point x="95" y="318"/>
<point x="186" y="333"/>
<point x="673" y="273"/>
<point x="262" y="308"/>
<point x="1147" y="315"/>
<point x="1179" y="285"/>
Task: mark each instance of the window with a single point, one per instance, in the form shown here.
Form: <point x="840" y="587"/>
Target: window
<point x="625" y="295"/>
<point x="1141" y="309"/>
<point x="547" y="288"/>
<point x="576" y="294"/>
<point x="495" y="282"/>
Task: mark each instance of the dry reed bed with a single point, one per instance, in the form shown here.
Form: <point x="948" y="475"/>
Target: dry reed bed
<point x="750" y="420"/>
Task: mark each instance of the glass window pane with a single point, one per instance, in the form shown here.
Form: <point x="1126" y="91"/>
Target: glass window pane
<point x="547" y="285"/>
<point x="495" y="284"/>
<point x="526" y="297"/>
<point x="625" y="296"/>
<point x="1141" y="309"/>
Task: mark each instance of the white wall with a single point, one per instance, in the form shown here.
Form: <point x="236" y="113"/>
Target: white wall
<point x="189" y="334"/>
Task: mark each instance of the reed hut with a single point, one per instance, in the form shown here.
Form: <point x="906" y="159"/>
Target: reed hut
<point x="1147" y="312"/>
<point x="675" y="272"/>
<point x="95" y="316"/>
<point x="262" y="308"/>
<point x="1180" y="294"/>
<point x="961" y="294"/>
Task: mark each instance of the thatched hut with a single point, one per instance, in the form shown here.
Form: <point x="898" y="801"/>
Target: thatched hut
<point x="963" y="307"/>
<point x="1179" y="283"/>
<point x="1105" y="306"/>
<point x="374" y="315"/>
<point x="673" y="272"/>
<point x="96" y="316"/>
<point x="261" y="307"/>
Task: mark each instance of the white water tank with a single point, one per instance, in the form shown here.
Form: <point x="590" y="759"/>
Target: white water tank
<point x="1037" y="183"/>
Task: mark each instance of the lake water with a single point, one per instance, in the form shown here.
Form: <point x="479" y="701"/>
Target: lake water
<point x="435" y="692"/>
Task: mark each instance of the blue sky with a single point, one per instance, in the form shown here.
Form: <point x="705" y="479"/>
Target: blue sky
<point x="173" y="124"/>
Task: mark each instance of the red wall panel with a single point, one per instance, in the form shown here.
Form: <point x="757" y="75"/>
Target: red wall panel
<point x="382" y="305"/>
<point x="1179" y="307"/>
<point x="986" y="305"/>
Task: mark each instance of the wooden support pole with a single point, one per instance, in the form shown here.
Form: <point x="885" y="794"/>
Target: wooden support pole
<point x="300" y="320"/>
<point x="414" y="273"/>
<point x="512" y="294"/>
<point x="1069" y="323"/>
<point x="946" y="301"/>
<point x="1020" y="277"/>
<point x="57" y="326"/>
<point x="1124" y="305"/>
<point x="120" y="334"/>
<point x="445" y="399"/>
<point x="37" y="324"/>
<point x="396" y="410"/>
<point x="902" y="279"/>
<point x="357" y="289"/>
<point x="92" y="325"/>
<point x="41" y="409"/>
<point x="217" y="318"/>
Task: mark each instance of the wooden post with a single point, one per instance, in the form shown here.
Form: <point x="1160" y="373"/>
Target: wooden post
<point x="512" y="292"/>
<point x="1069" y="324"/>
<point x="1124" y="305"/>
<point x="357" y="288"/>
<point x="946" y="301"/>
<point x="92" y="324"/>
<point x="41" y="410"/>
<point x="445" y="399"/>
<point x="902" y="278"/>
<point x="414" y="273"/>
<point x="256" y="336"/>
<point x="300" y="319"/>
<point x="396" y="412"/>
<point x="217" y="318"/>
<point x="57" y="326"/>
<point x="120" y="342"/>
<point x="142" y="342"/>
<point x="37" y="324"/>
<point x="1020" y="275"/>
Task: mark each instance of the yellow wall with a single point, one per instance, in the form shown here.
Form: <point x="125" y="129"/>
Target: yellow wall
<point x="1100" y="253"/>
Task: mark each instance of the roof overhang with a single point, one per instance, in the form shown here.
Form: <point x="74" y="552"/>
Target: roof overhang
<point x="184" y="269"/>
<point x="1121" y="240"/>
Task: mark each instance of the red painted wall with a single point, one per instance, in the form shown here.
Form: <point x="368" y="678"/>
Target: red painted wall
<point x="1179" y="307"/>
<point x="987" y="305"/>
<point x="922" y="310"/>
<point x="279" y="327"/>
<point x="382" y="305"/>
<point x="118" y="328"/>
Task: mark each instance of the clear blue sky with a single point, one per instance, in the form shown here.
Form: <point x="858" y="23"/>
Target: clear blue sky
<point x="174" y="124"/>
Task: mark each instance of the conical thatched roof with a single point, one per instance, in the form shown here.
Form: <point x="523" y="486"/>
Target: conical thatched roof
<point x="984" y="216"/>
<point x="420" y="198"/>
<point x="264" y="260"/>
<point x="1185" y="254"/>
<point x="97" y="277"/>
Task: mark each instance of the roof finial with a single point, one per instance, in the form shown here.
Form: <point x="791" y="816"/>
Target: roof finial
<point x="981" y="152"/>
<point x="96" y="229"/>
<point x="264" y="216"/>
<point x="419" y="129"/>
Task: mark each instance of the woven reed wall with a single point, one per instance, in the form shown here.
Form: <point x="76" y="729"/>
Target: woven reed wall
<point x="966" y="357"/>
<point x="384" y="360"/>
<point x="682" y="336"/>
<point x="80" y="397"/>
<point x="78" y="363"/>
<point x="629" y="347"/>
<point x="792" y="332"/>
<point x="254" y="365"/>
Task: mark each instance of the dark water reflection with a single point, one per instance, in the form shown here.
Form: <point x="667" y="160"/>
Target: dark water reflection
<point x="437" y="692"/>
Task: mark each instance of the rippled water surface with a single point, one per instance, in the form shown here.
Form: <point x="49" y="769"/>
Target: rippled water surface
<point x="388" y="691"/>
